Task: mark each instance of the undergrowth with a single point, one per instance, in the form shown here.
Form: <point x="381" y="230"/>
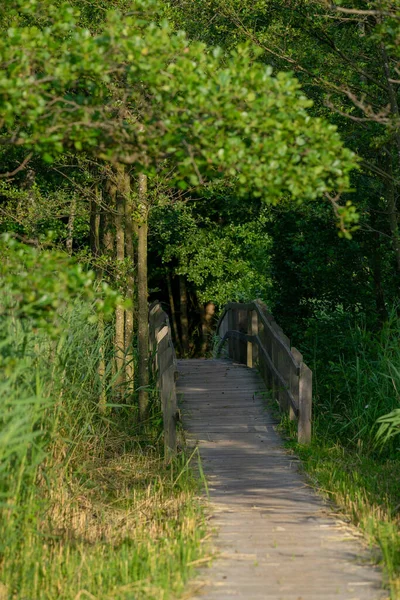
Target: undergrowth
<point x="89" y="508"/>
<point x="356" y="381"/>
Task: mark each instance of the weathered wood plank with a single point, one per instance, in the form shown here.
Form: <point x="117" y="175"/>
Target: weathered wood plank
<point x="277" y="539"/>
<point x="164" y="366"/>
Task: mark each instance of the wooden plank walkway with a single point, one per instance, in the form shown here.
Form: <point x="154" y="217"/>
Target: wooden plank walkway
<point x="276" y="538"/>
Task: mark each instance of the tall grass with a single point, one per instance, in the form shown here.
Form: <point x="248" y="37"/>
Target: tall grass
<point x="356" y="376"/>
<point x="87" y="507"/>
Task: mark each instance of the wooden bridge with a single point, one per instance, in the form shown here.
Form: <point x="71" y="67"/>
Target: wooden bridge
<point x="275" y="538"/>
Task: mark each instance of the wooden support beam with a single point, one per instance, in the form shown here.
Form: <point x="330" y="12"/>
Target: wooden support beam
<point x="305" y="405"/>
<point x="164" y="367"/>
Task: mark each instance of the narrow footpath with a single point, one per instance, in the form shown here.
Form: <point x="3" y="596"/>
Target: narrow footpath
<point x="275" y="537"/>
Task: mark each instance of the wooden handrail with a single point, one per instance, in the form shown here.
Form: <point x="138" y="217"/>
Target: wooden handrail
<point x="255" y="339"/>
<point x="165" y="370"/>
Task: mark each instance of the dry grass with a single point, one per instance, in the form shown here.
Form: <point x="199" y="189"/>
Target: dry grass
<point x="124" y="517"/>
<point x="119" y="498"/>
<point x="90" y="509"/>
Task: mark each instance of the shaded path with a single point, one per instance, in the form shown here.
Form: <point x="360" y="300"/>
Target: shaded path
<point x="276" y="538"/>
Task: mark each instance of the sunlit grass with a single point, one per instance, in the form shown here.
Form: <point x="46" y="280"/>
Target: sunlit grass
<point x="89" y="508"/>
<point x="118" y="526"/>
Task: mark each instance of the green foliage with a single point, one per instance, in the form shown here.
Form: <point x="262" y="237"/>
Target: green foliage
<point x="87" y="506"/>
<point x="356" y="376"/>
<point x="222" y="250"/>
<point x="61" y="88"/>
<point x="389" y="425"/>
<point x="224" y="263"/>
<point x="36" y="284"/>
<point x="111" y="82"/>
<point x="347" y="64"/>
<point x="34" y="208"/>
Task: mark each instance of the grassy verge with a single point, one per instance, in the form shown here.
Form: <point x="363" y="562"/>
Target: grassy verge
<point x="120" y="529"/>
<point x="88" y="508"/>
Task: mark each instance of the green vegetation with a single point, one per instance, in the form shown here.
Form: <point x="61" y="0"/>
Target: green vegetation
<point x="255" y="155"/>
<point x="89" y="508"/>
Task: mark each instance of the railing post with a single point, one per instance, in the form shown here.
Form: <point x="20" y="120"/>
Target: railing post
<point x="274" y="359"/>
<point x="242" y="326"/>
<point x="280" y="363"/>
<point x="305" y="405"/>
<point x="252" y="329"/>
<point x="169" y="402"/>
<point x="295" y="381"/>
<point x="164" y="366"/>
<point x="231" y="341"/>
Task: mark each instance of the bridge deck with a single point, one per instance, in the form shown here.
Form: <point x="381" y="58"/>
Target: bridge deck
<point x="276" y="538"/>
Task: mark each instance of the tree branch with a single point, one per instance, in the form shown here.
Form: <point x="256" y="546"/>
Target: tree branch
<point x="18" y="169"/>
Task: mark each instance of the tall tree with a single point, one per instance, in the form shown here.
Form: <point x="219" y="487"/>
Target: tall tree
<point x="143" y="327"/>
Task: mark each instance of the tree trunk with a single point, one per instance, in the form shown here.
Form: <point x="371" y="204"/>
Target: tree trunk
<point x="95" y="224"/>
<point x="394" y="107"/>
<point x="101" y="368"/>
<point x="375" y="261"/>
<point x="392" y="191"/>
<point x="120" y="255"/>
<point x="143" y="317"/>
<point x="394" y="226"/>
<point x="107" y="229"/>
<point x="207" y="313"/>
<point x="96" y="251"/>
<point x="184" y="316"/>
<point x="107" y="234"/>
<point x="130" y="291"/>
<point x="71" y="221"/>
<point x="393" y="219"/>
<point x="29" y="185"/>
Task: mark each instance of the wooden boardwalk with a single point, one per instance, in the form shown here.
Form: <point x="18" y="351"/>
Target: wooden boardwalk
<point x="276" y="539"/>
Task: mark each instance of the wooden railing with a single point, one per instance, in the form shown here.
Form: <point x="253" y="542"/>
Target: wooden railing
<point x="165" y="371"/>
<point x="253" y="338"/>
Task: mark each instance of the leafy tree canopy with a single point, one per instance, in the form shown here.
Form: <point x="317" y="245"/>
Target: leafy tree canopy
<point x="36" y="284"/>
<point x="136" y="93"/>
